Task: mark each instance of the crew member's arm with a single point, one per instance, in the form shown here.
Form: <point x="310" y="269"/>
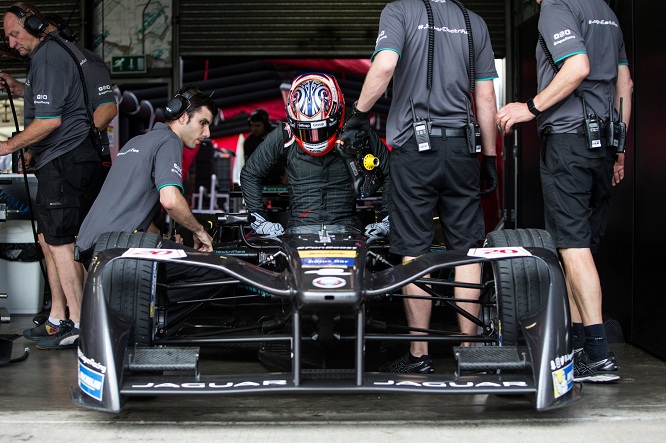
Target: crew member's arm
<point x="176" y="206"/>
<point x="623" y="89"/>
<point x="574" y="70"/>
<point x="381" y="151"/>
<point x="378" y="78"/>
<point x="104" y="114"/>
<point x="37" y="130"/>
<point x="486" y="113"/>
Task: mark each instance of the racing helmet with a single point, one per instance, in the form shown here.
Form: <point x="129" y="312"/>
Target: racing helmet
<point x="315" y="112"/>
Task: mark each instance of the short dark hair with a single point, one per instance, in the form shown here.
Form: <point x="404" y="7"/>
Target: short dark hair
<point x="197" y="101"/>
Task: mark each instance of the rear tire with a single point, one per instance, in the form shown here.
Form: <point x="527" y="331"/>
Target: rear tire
<point x="521" y="284"/>
<point x="130" y="285"/>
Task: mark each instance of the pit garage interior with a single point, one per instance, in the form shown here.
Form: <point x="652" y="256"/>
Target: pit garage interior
<point x="244" y="51"/>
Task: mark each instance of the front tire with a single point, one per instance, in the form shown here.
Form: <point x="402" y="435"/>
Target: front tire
<point x="130" y="285"/>
<point x="521" y="284"/>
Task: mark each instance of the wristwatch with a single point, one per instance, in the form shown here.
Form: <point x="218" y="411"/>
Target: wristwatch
<point x="532" y="108"/>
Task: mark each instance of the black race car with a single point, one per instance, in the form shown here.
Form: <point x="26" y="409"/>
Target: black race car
<point x="317" y="305"/>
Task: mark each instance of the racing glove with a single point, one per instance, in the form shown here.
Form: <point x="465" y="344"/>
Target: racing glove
<point x="359" y="121"/>
<point x="264" y="227"/>
<point x="380" y="229"/>
<point x="489" y="175"/>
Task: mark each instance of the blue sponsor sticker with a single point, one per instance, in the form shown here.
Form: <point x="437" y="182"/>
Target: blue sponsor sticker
<point x="563" y="380"/>
<point x="327" y="261"/>
<point x="91" y="382"/>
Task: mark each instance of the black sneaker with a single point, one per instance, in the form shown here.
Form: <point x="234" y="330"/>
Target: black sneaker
<point x="404" y="365"/>
<point x="67" y="337"/>
<point x="45" y="330"/>
<point x="602" y="371"/>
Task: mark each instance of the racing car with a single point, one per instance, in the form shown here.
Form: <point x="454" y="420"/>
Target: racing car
<point x="319" y="296"/>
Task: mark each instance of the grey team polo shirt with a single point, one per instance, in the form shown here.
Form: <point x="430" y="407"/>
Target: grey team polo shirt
<point x="53" y="89"/>
<point x="403" y="28"/>
<point x="571" y="27"/>
<point x="130" y="197"/>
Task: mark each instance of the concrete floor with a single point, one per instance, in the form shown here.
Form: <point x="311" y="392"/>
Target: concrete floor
<point x="35" y="406"/>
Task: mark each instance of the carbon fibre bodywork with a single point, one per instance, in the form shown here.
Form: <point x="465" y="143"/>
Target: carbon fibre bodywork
<point x="330" y="273"/>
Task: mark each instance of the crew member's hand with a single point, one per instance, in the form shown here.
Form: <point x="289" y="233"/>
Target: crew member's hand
<point x="381" y="229"/>
<point x="618" y="170"/>
<point x="264" y="227"/>
<point x="489" y="175"/>
<point x="511" y="114"/>
<point x="15" y="86"/>
<point x="202" y="240"/>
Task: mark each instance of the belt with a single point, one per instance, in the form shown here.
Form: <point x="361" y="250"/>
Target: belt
<point x="437" y="131"/>
<point x="579" y="131"/>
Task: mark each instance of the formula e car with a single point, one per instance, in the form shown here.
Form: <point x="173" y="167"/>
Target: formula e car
<point x="320" y="298"/>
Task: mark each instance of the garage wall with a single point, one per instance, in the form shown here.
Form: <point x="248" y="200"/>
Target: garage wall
<point x="307" y="29"/>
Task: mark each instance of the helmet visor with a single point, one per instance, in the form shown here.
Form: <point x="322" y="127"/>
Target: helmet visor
<point x="315" y="131"/>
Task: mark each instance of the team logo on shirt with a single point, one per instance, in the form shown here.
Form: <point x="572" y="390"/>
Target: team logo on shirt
<point x="178" y="170"/>
<point x="382" y="36"/>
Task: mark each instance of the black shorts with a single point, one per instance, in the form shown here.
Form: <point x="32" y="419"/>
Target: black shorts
<point x="444" y="181"/>
<point x="65" y="191"/>
<point x="576" y="184"/>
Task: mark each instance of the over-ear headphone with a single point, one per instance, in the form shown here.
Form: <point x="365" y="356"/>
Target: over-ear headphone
<point x="64" y="31"/>
<point x="29" y="20"/>
<point x="179" y="104"/>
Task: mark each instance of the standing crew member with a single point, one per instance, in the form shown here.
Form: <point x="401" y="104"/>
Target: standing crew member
<point x="438" y="170"/>
<point x="57" y="131"/>
<point x="582" y="65"/>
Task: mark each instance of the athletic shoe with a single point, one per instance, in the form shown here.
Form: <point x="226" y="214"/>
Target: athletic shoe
<point x="405" y="365"/>
<point x="67" y="337"/>
<point x="45" y="330"/>
<point x="601" y="371"/>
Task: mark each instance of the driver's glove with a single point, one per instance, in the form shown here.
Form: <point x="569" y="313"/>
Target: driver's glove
<point x="380" y="229"/>
<point x="264" y="227"/>
<point x="489" y="174"/>
<point x="358" y="120"/>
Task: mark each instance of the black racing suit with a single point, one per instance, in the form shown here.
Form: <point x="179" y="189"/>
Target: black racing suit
<point x="320" y="188"/>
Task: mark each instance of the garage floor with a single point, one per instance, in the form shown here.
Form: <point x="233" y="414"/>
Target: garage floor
<point x="35" y="406"/>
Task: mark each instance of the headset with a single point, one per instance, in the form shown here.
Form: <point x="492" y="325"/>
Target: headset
<point x="29" y="20"/>
<point x="179" y="104"/>
<point x="64" y="30"/>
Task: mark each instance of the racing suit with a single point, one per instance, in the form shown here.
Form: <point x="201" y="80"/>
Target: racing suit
<point x="320" y="188"/>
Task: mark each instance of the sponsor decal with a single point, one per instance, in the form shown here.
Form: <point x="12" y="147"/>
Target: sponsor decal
<point x="155" y="254"/>
<point x="209" y="386"/>
<point x="333" y="248"/>
<point x="603" y="22"/>
<point x="129" y="151"/>
<point x="563" y="380"/>
<point x="561" y="34"/>
<point x="508" y="251"/>
<point x="329" y="282"/>
<point x="91" y="381"/>
<point x="42" y="97"/>
<point x="327" y="261"/>
<point x="327" y="253"/>
<point x="104" y="88"/>
<point x="177" y="169"/>
<point x="382" y="35"/>
<point x="561" y="361"/>
<point x="317" y="125"/>
<point x="453" y="385"/>
<point x="443" y="29"/>
<point x="571" y="37"/>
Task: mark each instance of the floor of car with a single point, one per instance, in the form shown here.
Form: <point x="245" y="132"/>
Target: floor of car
<point x="35" y="405"/>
